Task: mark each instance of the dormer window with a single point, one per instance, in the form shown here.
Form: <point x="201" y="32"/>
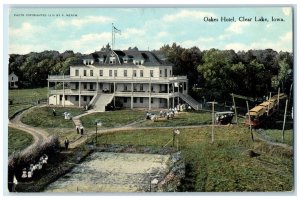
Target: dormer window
<point x="101" y="60"/>
<point x="112" y="59"/>
<point x="88" y="61"/>
<point x="137" y="62"/>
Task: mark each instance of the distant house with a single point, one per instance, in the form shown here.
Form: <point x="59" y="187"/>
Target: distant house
<point x="13" y="80"/>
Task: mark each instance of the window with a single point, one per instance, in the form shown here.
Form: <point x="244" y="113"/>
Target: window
<point x="12" y="78"/>
<point x="125" y="100"/>
<point x="134" y="87"/>
<point x="60" y="97"/>
<point x="115" y="73"/>
<point x="152" y="88"/>
<point x="161" y="88"/>
<point x="141" y="100"/>
<point x="160" y="100"/>
<point x="160" y="73"/>
<point x="151" y="100"/>
<point x="91" y="73"/>
<point x="125" y="73"/>
<point x="170" y="72"/>
<point x="134" y="99"/>
<point x="85" y="98"/>
<point x="84" y="86"/>
<point x="76" y="72"/>
<point x="166" y="72"/>
<point x="101" y="72"/>
<point x="134" y="73"/>
<point x="66" y="97"/>
<point x="84" y="72"/>
<point x="110" y="72"/>
<point x="76" y="98"/>
<point x="125" y="87"/>
<point x="141" y="87"/>
<point x="91" y="86"/>
<point x="112" y="60"/>
<point x="141" y="73"/>
<point x="151" y="73"/>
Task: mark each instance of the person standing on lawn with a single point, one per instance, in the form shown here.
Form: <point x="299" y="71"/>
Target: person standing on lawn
<point x="66" y="143"/>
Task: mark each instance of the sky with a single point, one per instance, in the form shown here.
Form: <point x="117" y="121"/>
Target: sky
<point x="86" y="30"/>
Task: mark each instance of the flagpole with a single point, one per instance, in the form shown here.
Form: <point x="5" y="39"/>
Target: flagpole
<point x="112" y="36"/>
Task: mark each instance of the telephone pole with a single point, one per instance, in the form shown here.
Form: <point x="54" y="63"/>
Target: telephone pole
<point x="212" y="119"/>
<point x="284" y="119"/>
<point x="250" y="121"/>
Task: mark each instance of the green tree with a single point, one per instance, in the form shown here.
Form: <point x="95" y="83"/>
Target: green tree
<point x="285" y="70"/>
<point x="217" y="72"/>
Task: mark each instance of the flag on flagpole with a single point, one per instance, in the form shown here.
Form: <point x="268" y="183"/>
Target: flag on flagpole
<point x="117" y="30"/>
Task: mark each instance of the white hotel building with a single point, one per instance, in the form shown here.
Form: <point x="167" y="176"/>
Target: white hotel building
<point x="137" y="79"/>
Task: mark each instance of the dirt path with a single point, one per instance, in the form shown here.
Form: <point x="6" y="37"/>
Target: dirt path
<point x="260" y="137"/>
<point x="38" y="134"/>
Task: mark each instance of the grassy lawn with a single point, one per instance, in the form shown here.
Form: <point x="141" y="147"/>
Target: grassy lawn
<point x="17" y="108"/>
<point x="18" y="140"/>
<point x="43" y="117"/>
<point x="113" y="118"/>
<point x="224" y="165"/>
<point x="181" y="119"/>
<point x="275" y="135"/>
<point x="62" y="133"/>
<point x="24" y="98"/>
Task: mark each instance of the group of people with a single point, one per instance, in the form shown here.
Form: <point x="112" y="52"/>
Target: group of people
<point x="28" y="172"/>
<point x="66" y="114"/>
<point x="170" y="114"/>
<point x="79" y="129"/>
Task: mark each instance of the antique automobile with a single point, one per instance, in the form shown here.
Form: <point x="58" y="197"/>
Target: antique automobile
<point x="224" y="117"/>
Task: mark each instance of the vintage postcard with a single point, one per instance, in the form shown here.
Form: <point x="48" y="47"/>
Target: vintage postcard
<point x="150" y="99"/>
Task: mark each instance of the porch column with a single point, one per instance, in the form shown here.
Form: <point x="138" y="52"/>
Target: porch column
<point x="79" y="94"/>
<point x="178" y="92"/>
<point x="114" y="87"/>
<point x="114" y="94"/>
<point x="173" y="96"/>
<point x="131" y="98"/>
<point x="150" y="95"/>
<point x="168" y="99"/>
<point x="48" y="93"/>
<point x="97" y="87"/>
<point x="168" y="102"/>
<point x="63" y="94"/>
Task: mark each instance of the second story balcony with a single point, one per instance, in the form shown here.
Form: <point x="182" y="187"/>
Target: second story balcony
<point x="68" y="78"/>
<point x="117" y="93"/>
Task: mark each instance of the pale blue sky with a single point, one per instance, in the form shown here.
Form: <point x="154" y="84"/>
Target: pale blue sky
<point x="148" y="28"/>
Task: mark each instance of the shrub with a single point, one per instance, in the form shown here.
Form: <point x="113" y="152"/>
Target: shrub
<point x="18" y="161"/>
